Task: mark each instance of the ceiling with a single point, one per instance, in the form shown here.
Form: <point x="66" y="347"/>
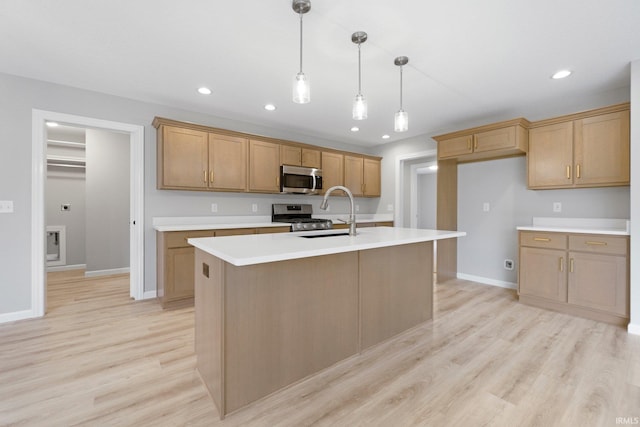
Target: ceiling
<point x="469" y="61"/>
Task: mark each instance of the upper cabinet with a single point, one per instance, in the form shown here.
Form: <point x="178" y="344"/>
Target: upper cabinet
<point x="588" y="149"/>
<point x="332" y="170"/>
<point x="299" y="156"/>
<point x="362" y="176"/>
<point x="196" y="157"/>
<point x="264" y="166"/>
<point x="498" y="140"/>
<point x="192" y="159"/>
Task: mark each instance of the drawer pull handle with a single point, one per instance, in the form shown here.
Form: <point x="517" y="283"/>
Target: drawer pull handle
<point x="594" y="243"/>
<point x="205" y="176"/>
<point x="541" y="239"/>
<point x="568" y="172"/>
<point x="211" y="176"/>
<point x="571" y="266"/>
<point x="561" y="264"/>
<point x="578" y="170"/>
<point x="469" y="144"/>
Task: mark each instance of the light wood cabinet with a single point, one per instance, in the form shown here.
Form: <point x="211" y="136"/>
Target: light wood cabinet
<point x="299" y="156"/>
<point x="264" y="166"/>
<point x="362" y="176"/>
<point x="502" y="139"/>
<point x="227" y="163"/>
<point x="183" y="158"/>
<point x="591" y="151"/>
<point x="332" y="170"/>
<point x="581" y="274"/>
<point x="191" y="159"/>
<point x="175" y="259"/>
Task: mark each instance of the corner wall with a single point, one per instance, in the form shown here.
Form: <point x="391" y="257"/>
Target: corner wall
<point x="634" y="324"/>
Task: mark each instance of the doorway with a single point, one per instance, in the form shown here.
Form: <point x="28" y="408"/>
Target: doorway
<point x="136" y="197"/>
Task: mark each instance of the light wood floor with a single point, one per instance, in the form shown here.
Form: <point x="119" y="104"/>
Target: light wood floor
<point x="99" y="359"/>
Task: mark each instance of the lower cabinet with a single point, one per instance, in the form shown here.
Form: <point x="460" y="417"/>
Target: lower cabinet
<point x="176" y="260"/>
<point x="581" y="274"/>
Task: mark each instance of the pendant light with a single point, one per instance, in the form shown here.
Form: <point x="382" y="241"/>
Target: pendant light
<point x="401" y="122"/>
<point x="301" y="88"/>
<point x="359" y="103"/>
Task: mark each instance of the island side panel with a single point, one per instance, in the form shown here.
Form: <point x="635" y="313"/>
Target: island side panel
<point x="396" y="285"/>
<point x="209" y="324"/>
<point x="286" y="320"/>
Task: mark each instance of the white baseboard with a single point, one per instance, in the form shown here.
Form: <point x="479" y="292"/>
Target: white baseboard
<point x="16" y="315"/>
<point x="110" y="272"/>
<point x="487" y="281"/>
<point x="67" y="267"/>
<point x="149" y="294"/>
<point x="633" y="329"/>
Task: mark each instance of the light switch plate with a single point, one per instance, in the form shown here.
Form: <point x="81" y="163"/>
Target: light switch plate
<point x="486" y="207"/>
<point x="6" y="206"/>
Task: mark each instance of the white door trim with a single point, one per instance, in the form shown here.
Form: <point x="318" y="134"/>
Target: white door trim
<point x="427" y="155"/>
<point x="413" y="203"/>
<point x="136" y="223"/>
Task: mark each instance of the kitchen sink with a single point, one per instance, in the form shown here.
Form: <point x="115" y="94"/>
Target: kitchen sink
<point x="313" y="236"/>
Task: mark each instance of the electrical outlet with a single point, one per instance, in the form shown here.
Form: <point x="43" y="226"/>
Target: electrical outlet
<point x="254" y="207"/>
<point x="214" y="207"/>
<point x="357" y="208"/>
<point x="508" y="264"/>
<point x="486" y="207"/>
<point x="6" y="206"/>
<point x="557" y="207"/>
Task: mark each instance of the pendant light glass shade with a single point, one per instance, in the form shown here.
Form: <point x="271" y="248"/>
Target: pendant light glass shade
<point x="301" y="87"/>
<point x="359" y="107"/>
<point x="401" y="120"/>
<point x="359" y="103"/>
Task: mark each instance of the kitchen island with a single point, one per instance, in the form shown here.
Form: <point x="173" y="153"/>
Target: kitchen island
<point x="272" y="309"/>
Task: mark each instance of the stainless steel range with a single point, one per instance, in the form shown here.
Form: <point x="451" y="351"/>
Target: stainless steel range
<point x="299" y="216"/>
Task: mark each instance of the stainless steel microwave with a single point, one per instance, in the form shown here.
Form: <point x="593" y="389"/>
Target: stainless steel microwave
<point x="300" y="179"/>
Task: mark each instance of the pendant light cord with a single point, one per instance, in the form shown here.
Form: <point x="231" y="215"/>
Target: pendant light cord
<point x="301" y="42"/>
<point x="359" y="73"/>
<point x="401" y="88"/>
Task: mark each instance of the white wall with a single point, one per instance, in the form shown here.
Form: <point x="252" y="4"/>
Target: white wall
<point x="427" y="200"/>
<point x="107" y="201"/>
<point x="635" y="198"/>
<point x="492" y="236"/>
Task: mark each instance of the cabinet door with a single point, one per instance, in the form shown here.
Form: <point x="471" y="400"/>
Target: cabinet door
<point x="227" y="163"/>
<point x="495" y="139"/>
<point x="550" y="158"/>
<point x="371" y="178"/>
<point x="543" y="273"/>
<point x="264" y="166"/>
<point x="455" y="147"/>
<point x="290" y="155"/>
<point x="184" y="158"/>
<point x="602" y="150"/>
<point x="180" y="273"/>
<point x="353" y="174"/>
<point x="332" y="170"/>
<point x="311" y="158"/>
<point x="599" y="281"/>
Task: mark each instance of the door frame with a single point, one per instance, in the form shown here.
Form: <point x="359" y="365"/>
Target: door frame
<point x="413" y="204"/>
<point x="38" y="177"/>
<point x="429" y="155"/>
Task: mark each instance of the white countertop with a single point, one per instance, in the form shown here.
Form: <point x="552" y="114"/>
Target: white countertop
<point x="263" y="248"/>
<point x="619" y="227"/>
<point x="246" y="221"/>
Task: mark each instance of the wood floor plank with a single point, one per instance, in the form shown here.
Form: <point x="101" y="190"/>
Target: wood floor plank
<point x="100" y="359"/>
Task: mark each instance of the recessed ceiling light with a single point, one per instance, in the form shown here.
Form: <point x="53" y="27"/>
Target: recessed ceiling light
<point x="561" y="74"/>
<point x="204" y="90"/>
<point x="52" y="124"/>
<point x="385" y="136"/>
<point x="355" y="129"/>
<point x="269" y="107"/>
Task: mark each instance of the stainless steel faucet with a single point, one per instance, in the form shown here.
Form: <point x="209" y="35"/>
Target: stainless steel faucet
<point x="352" y="213"/>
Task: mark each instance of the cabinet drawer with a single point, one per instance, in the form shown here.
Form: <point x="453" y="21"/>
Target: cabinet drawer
<point x="178" y="239"/>
<point x="543" y="240"/>
<point x="599" y="244"/>
<point x="235" y="232"/>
